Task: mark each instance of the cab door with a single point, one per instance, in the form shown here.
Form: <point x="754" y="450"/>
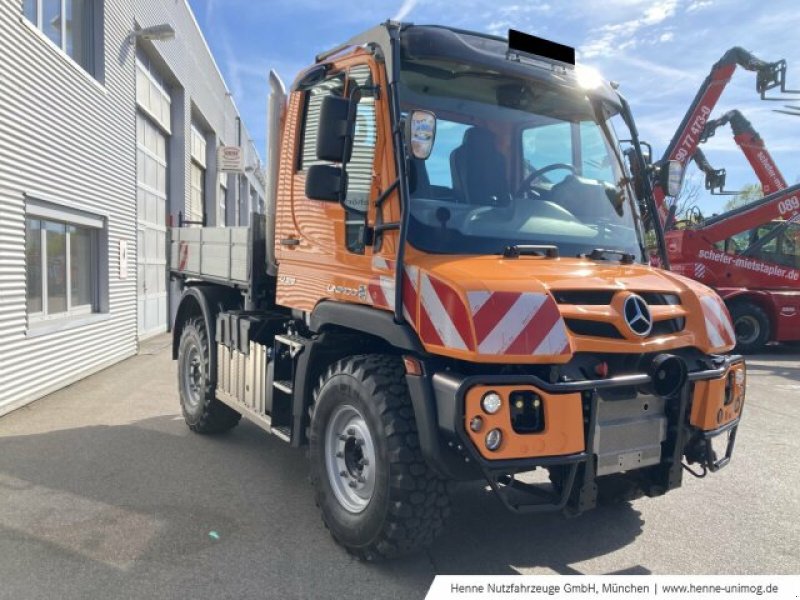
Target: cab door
<point x="319" y="245"/>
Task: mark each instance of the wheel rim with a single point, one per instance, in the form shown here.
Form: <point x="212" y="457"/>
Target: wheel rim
<point x="193" y="376"/>
<point x="350" y="458"/>
<point x="747" y="329"/>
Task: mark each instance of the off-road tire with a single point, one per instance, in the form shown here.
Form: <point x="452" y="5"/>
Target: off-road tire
<point x="409" y="503"/>
<point x="206" y="414"/>
<point x="756" y="318"/>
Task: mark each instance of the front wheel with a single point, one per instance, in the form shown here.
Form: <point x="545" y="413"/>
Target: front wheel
<point x="378" y="497"/>
<point x="752" y="327"/>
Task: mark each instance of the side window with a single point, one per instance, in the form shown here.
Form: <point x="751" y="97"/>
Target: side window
<point x="314" y="97"/>
<point x="595" y="154"/>
<point x="360" y="167"/>
<point x="449" y="136"/>
<point x="359" y="170"/>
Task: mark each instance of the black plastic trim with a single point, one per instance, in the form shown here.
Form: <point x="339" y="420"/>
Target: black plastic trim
<point x="365" y="319"/>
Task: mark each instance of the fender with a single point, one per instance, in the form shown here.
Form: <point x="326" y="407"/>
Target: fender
<point x="206" y="301"/>
<point x="365" y="319"/>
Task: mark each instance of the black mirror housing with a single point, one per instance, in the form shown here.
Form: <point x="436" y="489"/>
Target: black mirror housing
<point x="326" y="183"/>
<point x="335" y="134"/>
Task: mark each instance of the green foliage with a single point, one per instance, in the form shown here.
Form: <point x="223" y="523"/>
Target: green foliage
<point x="749" y="193"/>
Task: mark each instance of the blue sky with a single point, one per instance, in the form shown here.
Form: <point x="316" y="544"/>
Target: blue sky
<point x="658" y="50"/>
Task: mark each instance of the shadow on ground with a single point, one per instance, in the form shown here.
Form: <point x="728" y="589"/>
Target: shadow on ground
<point x="150" y="501"/>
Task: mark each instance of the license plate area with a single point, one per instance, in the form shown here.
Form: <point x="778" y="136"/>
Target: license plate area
<point x="629" y="433"/>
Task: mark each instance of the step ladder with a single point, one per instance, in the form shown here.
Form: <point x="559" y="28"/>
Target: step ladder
<point x="280" y="378"/>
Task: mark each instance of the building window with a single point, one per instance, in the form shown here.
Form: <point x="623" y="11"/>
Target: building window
<point x="69" y="24"/>
<point x="62" y="267"/>
<point x="223" y="200"/>
<point x="197" y="178"/>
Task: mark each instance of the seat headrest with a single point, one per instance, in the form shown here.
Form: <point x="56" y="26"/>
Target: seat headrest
<point x="478" y="136"/>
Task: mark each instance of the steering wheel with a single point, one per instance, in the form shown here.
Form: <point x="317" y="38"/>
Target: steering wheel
<point x="526" y="183"/>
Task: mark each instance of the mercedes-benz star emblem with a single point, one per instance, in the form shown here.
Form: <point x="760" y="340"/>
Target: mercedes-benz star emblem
<point x="637" y="315"/>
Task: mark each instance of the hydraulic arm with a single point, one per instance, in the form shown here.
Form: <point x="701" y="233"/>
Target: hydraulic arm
<point x="752" y="146"/>
<point x="769" y="75"/>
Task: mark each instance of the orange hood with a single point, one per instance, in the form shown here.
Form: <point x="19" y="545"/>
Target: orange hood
<point x="539" y="310"/>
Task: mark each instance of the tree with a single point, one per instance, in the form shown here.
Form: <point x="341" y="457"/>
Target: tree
<point x="750" y="193"/>
<point x="686" y="200"/>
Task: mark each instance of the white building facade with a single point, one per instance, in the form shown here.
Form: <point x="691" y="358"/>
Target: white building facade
<point x="106" y="137"/>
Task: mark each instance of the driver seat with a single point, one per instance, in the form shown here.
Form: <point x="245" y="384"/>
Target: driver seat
<point x="479" y="170"/>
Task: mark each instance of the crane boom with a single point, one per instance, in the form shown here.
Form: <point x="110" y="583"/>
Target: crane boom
<point x="682" y="147"/>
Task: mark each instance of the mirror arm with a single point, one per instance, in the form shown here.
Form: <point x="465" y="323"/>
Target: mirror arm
<point x="386" y="193"/>
<point x="372" y="235"/>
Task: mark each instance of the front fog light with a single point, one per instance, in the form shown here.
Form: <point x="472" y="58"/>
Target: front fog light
<point x="491" y="402"/>
<point x="493" y="439"/>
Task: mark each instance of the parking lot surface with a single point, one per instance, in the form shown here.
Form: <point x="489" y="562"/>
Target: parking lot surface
<point x="105" y="493"/>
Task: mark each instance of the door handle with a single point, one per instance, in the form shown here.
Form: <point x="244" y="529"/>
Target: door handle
<point x="290" y="242"/>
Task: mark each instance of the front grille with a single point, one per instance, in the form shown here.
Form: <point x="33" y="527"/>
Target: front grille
<point x="668" y="326"/>
<point x="587" y="327"/>
<point x="607" y="330"/>
<point x="594" y="329"/>
<point x="585" y="297"/>
<point x="604" y="297"/>
<point x="658" y="299"/>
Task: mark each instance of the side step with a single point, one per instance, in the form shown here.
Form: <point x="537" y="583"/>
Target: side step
<point x="256" y="381"/>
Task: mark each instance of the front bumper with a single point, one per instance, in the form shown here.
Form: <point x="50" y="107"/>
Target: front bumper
<point x="583" y="436"/>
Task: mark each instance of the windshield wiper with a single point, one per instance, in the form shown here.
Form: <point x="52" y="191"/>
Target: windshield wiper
<point x="626" y="258"/>
<point x="516" y="251"/>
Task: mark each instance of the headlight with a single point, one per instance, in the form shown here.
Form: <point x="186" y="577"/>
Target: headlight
<point x="491" y="403"/>
<point x="476" y="424"/>
<point x="739" y="376"/>
<point x="493" y="439"/>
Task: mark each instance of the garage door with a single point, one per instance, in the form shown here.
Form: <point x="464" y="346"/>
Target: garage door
<point x="152" y="131"/>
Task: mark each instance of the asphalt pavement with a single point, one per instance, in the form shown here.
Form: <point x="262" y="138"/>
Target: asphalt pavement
<point x="104" y="493"/>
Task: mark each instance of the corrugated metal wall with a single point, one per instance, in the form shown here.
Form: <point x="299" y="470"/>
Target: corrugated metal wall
<point x="64" y="137"/>
<point x="68" y="139"/>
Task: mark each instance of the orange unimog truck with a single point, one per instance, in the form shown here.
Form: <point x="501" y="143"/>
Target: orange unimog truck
<point x="451" y="282"/>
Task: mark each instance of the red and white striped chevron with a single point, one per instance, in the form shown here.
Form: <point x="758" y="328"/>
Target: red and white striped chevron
<point x="381" y="288"/>
<point x="518" y="323"/>
<point x="513" y="323"/>
<point x="718" y="321"/>
<point x="443" y="318"/>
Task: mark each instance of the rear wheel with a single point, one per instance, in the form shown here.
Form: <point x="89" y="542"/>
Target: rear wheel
<point x="202" y="411"/>
<point x="751" y="325"/>
<point x="378" y="497"/>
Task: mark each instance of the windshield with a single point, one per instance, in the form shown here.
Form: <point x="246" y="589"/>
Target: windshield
<point x="515" y="162"/>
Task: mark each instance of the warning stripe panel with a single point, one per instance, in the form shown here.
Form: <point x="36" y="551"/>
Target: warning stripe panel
<point x="718" y="322"/>
<point x="442" y="315"/>
<point x="518" y="323"/>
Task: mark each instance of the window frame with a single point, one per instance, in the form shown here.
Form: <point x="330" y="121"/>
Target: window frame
<point x="92" y="23"/>
<point x="95" y="230"/>
<point x="352" y="220"/>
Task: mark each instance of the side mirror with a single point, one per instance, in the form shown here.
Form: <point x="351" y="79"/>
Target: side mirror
<point x="421" y="133"/>
<point x="326" y="182"/>
<point x="670" y="176"/>
<point x="336" y="129"/>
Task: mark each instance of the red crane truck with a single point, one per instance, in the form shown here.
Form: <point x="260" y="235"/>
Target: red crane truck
<point x="751" y="254"/>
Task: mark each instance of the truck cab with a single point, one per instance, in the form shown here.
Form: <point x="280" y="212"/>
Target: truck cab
<point x="452" y="282"/>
